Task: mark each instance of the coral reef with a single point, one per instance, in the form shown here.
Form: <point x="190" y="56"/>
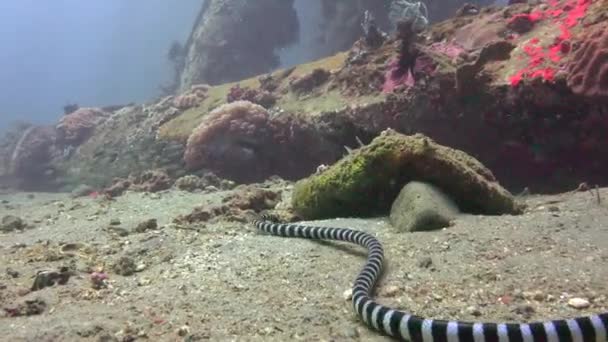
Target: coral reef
<point x="191" y="98"/>
<point x="230" y="129"/>
<point x="368" y="180"/>
<point x="243" y="142"/>
<point x="470" y="85"/>
<point x="151" y="181"/>
<point x="525" y="102"/>
<point x="262" y="97"/>
<point x="76" y="127"/>
<point x="588" y="68"/>
<point x="544" y="57"/>
<point x="306" y="83"/>
<point x="124" y="144"/>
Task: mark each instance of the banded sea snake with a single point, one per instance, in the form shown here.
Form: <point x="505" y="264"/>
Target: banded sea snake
<point x="408" y="327"/>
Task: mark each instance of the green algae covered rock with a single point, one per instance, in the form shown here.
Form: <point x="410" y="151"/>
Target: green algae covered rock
<point x="367" y="181"/>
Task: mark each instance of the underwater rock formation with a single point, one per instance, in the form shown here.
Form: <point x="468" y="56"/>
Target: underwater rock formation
<point x="235" y="39"/>
<point x="367" y="181"/>
<point x="26" y="154"/>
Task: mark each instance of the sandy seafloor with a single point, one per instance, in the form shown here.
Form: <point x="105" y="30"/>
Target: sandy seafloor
<point x="226" y="282"/>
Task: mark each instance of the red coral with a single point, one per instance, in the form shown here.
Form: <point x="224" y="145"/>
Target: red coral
<point x="542" y="60"/>
<point x="76" y="127"/>
<point x="588" y="68"/>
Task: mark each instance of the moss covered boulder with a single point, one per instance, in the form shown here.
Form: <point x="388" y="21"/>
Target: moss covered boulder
<point x="367" y="181"/>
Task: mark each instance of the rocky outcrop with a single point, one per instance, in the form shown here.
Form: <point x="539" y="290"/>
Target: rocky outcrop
<point x="25" y="156"/>
<point x="236" y="39"/>
<point x="368" y="180"/>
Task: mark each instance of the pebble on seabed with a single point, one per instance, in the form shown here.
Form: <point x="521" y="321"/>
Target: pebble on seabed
<point x="578" y="303"/>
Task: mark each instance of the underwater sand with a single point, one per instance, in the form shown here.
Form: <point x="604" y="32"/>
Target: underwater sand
<point x="225" y="282"/>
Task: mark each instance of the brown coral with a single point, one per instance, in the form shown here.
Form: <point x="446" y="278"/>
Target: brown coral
<point x="185" y="101"/>
<point x="240" y="206"/>
<point x="260" y="96"/>
<point x="242" y="142"/>
<point x="192" y="98"/>
<point x="232" y="129"/>
<point x="151" y="181"/>
<point x="76" y="127"/>
<point x="306" y="83"/>
<point x="588" y="67"/>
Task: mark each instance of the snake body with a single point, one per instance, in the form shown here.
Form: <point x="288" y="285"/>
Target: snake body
<point x="408" y="327"/>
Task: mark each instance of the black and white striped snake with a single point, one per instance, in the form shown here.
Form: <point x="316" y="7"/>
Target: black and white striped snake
<point x="407" y="327"/>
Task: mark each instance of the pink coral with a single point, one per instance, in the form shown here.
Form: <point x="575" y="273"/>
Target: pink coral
<point x="76" y="127"/>
<point x="241" y="141"/>
<point x="232" y="129"/>
<point x="398" y="74"/>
